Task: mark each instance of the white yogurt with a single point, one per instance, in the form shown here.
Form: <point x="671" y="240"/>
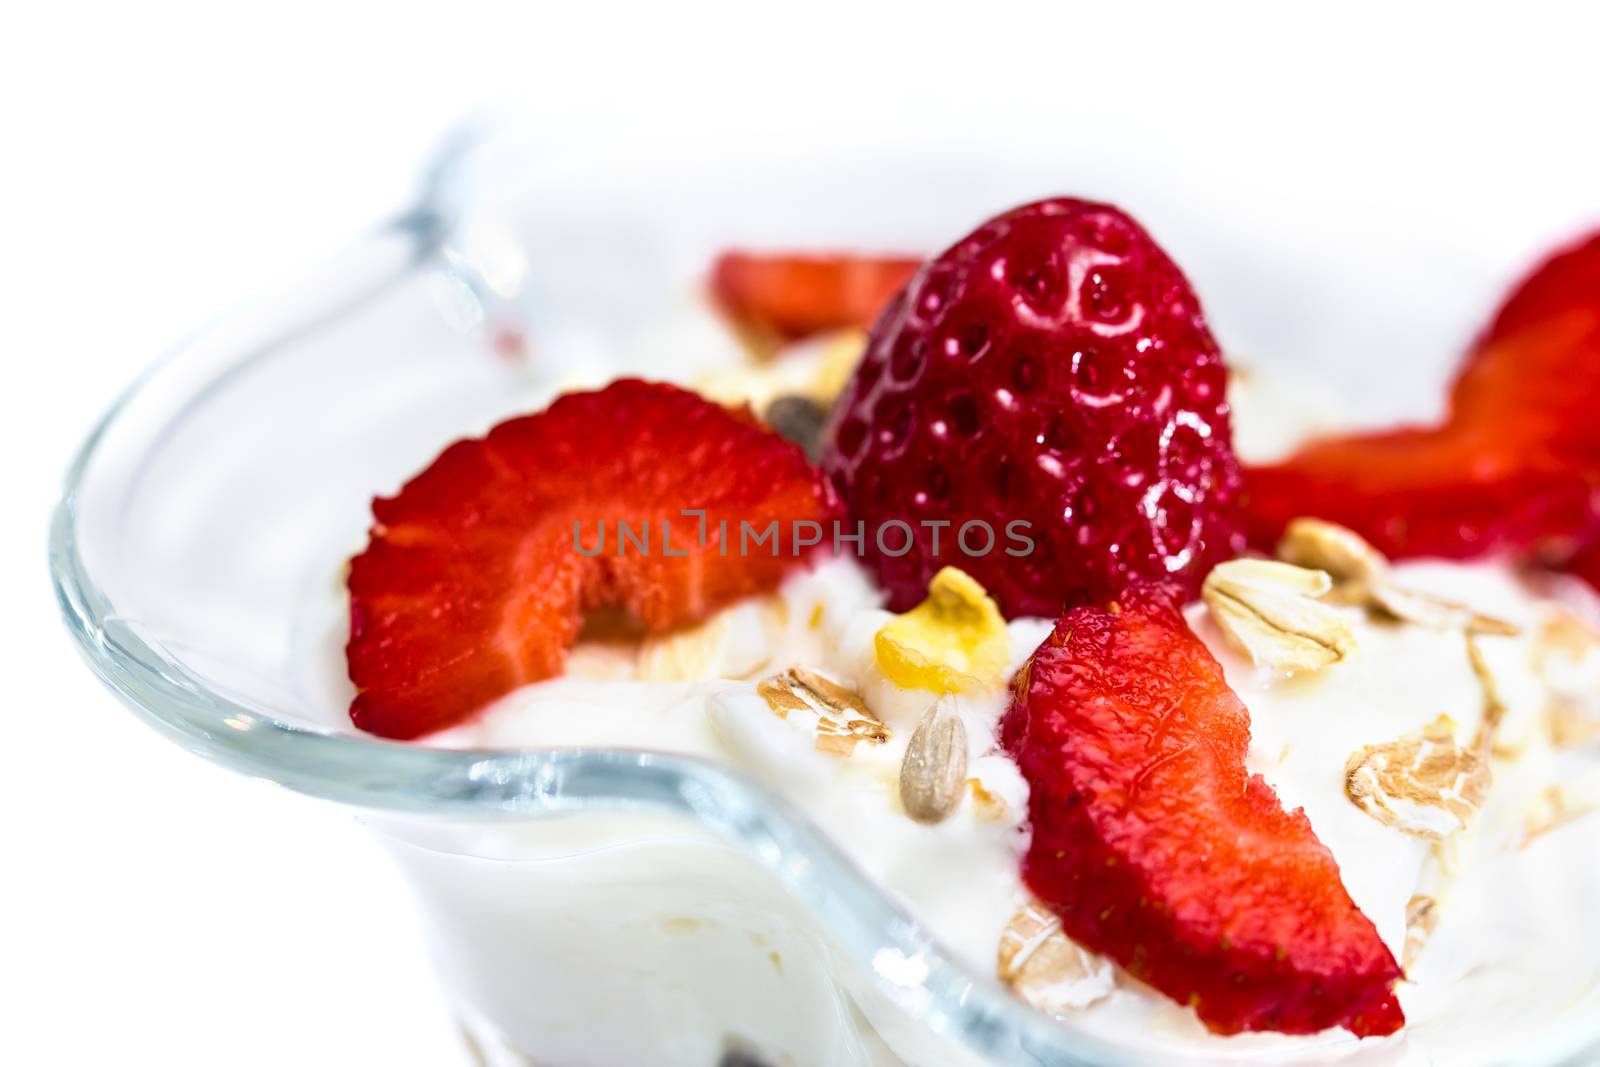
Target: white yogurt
<point x="600" y="939"/>
<point x="960" y="875"/>
<point x="1507" y="941"/>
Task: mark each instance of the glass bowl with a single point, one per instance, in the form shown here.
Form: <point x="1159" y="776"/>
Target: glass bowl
<point x="197" y="553"/>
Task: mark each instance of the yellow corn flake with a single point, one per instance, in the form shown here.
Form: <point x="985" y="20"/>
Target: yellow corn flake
<point x="952" y="642"/>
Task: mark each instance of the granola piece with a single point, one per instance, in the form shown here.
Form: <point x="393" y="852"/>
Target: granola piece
<point x="1435" y="613"/>
<point x="1362" y="578"/>
<point x="1047" y="968"/>
<point x="1561" y="804"/>
<point x="1422" y="918"/>
<point x="1271" y="611"/>
<point x="1326" y="546"/>
<point x="1566" y="655"/>
<point x="1494" y="705"/>
<point x="842" y="717"/>
<point x="986" y="804"/>
<point x="1423" y="784"/>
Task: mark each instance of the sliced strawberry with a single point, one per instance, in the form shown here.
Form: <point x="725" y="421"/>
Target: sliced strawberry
<point x="1157" y="847"/>
<point x="1568" y="279"/>
<point x="1515" y="466"/>
<point x="1428" y="493"/>
<point x="473" y="582"/>
<point x="793" y="296"/>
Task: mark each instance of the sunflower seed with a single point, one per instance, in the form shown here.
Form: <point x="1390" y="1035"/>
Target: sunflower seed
<point x="934" y="771"/>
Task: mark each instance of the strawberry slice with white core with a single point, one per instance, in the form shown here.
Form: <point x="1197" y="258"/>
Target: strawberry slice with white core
<point x="481" y="571"/>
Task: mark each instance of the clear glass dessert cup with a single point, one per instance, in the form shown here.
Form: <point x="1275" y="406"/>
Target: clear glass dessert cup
<point x="585" y="906"/>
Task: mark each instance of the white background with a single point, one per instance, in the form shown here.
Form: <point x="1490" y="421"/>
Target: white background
<point x="164" y="161"/>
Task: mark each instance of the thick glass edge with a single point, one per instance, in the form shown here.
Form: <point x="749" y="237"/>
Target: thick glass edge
<point x="880" y="936"/>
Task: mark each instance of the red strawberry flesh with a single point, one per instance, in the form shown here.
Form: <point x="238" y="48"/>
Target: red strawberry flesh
<point x="1052" y="368"/>
<point x="1586" y="565"/>
<point x="792" y="295"/>
<point x="1157" y="848"/>
<point x="1514" y="468"/>
<point x="1568" y="279"/>
<point x="472" y="583"/>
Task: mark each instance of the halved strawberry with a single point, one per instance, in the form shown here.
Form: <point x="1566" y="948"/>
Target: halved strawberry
<point x="1157" y="847"/>
<point x="1515" y="466"/>
<point x="473" y="582"/>
<point x="790" y="296"/>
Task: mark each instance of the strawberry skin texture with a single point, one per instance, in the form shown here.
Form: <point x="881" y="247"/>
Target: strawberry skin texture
<point x="1051" y="368"/>
<point x="1158" y="849"/>
<point x="793" y="296"/>
<point x="1514" y="468"/>
<point x="471" y="583"/>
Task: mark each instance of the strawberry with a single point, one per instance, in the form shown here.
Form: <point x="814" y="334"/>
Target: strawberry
<point x="1053" y="370"/>
<point x="1156" y="847"/>
<point x="1566" y="280"/>
<point x="1515" y="466"/>
<point x="1586" y="565"/>
<point x="473" y="582"/>
<point x="785" y="297"/>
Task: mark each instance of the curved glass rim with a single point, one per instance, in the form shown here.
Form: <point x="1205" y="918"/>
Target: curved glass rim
<point x="372" y="773"/>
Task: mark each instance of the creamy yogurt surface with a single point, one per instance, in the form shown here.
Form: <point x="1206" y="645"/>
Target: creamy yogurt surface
<point x="959" y="875"/>
<point x="1494" y="921"/>
<point x="1507" y="906"/>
